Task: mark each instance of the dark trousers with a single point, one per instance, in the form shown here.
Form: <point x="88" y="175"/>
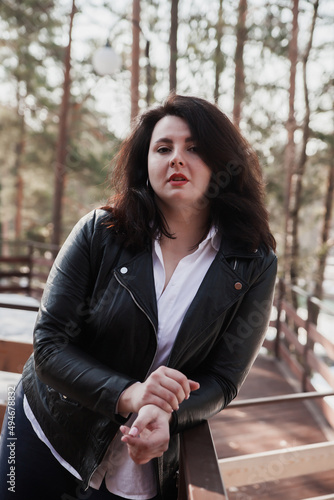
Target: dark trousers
<point x="28" y="470"/>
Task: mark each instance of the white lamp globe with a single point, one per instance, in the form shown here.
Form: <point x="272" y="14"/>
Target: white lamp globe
<point x="106" y="61"/>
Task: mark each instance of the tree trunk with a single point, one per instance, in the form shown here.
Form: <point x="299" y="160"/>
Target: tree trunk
<point x="135" y="59"/>
<point x="61" y="152"/>
<point x="297" y="176"/>
<point x="239" y="86"/>
<point x="173" y="46"/>
<point x="291" y="125"/>
<point x="325" y="243"/>
<point x="19" y="149"/>
<point x="149" y="91"/>
<point x="219" y="57"/>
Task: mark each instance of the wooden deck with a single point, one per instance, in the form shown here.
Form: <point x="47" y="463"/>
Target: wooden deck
<point x="249" y="430"/>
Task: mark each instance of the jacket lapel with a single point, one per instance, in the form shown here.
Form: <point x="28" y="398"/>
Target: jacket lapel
<point x="137" y="277"/>
<point x="220" y="288"/>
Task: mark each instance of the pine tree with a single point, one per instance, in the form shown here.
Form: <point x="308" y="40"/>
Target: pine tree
<point x="61" y="151"/>
<point x="27" y="41"/>
<point x="296" y="186"/>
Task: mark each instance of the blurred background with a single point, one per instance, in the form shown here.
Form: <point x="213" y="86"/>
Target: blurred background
<point x="74" y="74"/>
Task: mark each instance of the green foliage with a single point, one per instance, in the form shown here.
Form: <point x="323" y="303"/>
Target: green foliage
<point x="31" y="53"/>
<point x="273" y="30"/>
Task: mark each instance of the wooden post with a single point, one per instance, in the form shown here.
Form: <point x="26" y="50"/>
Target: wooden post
<point x="281" y="293"/>
<point x="309" y="345"/>
<point x="31" y="263"/>
<point x="200" y="478"/>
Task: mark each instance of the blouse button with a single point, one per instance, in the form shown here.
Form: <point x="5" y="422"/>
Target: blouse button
<point x="238" y="285"/>
<point x="124" y="270"/>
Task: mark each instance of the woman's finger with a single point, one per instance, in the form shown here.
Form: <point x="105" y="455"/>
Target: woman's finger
<point x="173" y="380"/>
<point x="165" y="388"/>
<point x="148" y="436"/>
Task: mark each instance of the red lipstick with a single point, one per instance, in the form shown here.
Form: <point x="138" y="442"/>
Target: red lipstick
<point x="178" y="179"/>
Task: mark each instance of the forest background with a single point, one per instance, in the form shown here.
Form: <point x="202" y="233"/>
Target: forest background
<point x="269" y="65"/>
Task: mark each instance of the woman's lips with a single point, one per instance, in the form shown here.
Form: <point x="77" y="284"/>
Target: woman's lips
<point x="178" y="180"/>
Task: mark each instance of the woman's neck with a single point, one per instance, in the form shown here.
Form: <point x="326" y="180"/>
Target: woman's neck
<point x="188" y="229"/>
<point x="187" y="233"/>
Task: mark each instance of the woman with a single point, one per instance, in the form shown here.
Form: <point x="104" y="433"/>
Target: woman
<point x="153" y="313"/>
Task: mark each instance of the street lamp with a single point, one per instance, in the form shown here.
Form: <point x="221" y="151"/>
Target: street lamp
<point x="106" y="61"/>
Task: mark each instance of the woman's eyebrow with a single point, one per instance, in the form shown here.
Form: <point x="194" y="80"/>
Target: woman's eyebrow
<point x="170" y="141"/>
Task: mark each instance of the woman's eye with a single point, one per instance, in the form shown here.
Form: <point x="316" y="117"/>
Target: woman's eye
<point x="162" y="149"/>
<point x="194" y="149"/>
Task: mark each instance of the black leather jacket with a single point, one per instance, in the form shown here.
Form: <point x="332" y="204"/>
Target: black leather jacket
<point x="96" y="334"/>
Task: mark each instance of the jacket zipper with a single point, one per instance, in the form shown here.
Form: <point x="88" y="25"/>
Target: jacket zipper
<point x="92" y="474"/>
<point x="143" y="311"/>
<point x="94" y="470"/>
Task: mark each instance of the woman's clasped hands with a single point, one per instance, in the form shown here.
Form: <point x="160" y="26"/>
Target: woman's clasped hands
<point x="154" y="400"/>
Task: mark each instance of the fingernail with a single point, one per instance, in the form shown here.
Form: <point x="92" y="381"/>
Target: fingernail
<point x="133" y="432"/>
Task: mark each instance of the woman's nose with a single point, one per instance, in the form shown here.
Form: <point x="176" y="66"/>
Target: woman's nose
<point x="177" y="160"/>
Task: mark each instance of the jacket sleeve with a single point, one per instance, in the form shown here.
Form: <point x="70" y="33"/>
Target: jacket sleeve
<point x="225" y="369"/>
<point x="60" y="362"/>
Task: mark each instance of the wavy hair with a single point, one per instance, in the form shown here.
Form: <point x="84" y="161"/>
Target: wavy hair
<point x="235" y="193"/>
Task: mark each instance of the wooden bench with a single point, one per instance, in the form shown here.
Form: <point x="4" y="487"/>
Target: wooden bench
<point x="15" y="274"/>
<point x="24" y="266"/>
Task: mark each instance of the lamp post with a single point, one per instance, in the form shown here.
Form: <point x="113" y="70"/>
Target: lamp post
<point x="106" y="61"/>
<point x="105" y="58"/>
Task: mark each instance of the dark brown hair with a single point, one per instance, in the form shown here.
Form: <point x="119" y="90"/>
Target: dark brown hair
<point x="236" y="191"/>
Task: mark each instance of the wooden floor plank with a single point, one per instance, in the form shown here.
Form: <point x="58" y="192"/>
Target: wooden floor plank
<point x="271" y="427"/>
<point x="279" y="464"/>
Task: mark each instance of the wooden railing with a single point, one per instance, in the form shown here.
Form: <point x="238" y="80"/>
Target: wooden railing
<point x="200" y="472"/>
<point x="203" y="477"/>
<point x="295" y="341"/>
<point x="199" y="475"/>
<point x="24" y="266"/>
<point x="13" y="356"/>
<point x="197" y="449"/>
<point x="287" y="463"/>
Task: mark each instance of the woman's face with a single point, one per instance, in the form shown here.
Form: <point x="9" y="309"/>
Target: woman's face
<point x="178" y="176"/>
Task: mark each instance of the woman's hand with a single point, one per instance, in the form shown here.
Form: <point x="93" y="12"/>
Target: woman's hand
<point x="165" y="388"/>
<point x="149" y="434"/>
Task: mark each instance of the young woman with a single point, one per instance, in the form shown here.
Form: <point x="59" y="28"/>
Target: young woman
<point x="153" y="314"/>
